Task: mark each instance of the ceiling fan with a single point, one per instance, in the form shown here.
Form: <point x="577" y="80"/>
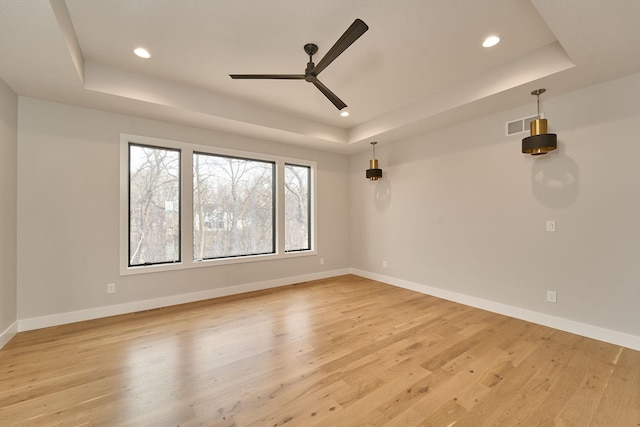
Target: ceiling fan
<point x="310" y="75"/>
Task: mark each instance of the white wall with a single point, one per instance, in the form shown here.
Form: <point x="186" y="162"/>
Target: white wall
<point x="462" y="212"/>
<point x="68" y="160"/>
<point x="8" y="212"/>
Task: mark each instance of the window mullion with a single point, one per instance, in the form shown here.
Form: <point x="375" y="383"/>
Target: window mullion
<point x="280" y="220"/>
<point x="187" y="206"/>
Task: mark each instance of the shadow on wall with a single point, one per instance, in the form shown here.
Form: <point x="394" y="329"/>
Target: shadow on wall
<point x="555" y="179"/>
<point x="382" y="194"/>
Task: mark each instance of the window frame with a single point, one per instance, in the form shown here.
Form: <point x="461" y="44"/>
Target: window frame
<point x="187" y="151"/>
<point x="273" y="210"/>
<point x="309" y="204"/>
<point x="132" y="144"/>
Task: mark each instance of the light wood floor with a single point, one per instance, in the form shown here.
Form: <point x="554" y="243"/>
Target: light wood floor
<point x="345" y="351"/>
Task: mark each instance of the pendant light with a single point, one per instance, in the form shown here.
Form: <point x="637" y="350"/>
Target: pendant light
<point x="373" y="173"/>
<point x="540" y="142"/>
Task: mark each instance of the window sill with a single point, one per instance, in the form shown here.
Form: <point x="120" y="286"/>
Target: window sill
<point x="127" y="271"/>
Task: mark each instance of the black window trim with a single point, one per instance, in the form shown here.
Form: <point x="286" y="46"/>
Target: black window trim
<point x="274" y="218"/>
<point x="147" y="264"/>
<point x="310" y="228"/>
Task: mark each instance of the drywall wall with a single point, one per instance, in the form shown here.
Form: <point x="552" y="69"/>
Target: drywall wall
<point x="8" y="211"/>
<point x="68" y="195"/>
<point x="462" y="211"/>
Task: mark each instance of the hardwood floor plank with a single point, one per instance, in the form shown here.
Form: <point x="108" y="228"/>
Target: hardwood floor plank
<point x="344" y="351"/>
<point x="620" y="403"/>
<point x="581" y="406"/>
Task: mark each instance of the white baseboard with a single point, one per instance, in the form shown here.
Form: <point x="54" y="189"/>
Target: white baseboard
<point x="132" y="307"/>
<point x="8" y="333"/>
<point x="583" y="329"/>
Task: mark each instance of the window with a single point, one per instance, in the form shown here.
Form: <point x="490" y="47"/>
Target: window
<point x="297" y="230"/>
<point x="154" y="205"/>
<point x="185" y="205"/>
<point x="233" y="206"/>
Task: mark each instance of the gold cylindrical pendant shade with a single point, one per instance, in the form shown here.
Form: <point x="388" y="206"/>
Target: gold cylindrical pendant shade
<point x="373" y="164"/>
<point x="538" y="127"/>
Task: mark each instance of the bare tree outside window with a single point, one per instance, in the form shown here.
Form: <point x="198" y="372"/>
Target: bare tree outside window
<point x="233" y="206"/>
<point x="297" y="229"/>
<point x="154" y="205"/>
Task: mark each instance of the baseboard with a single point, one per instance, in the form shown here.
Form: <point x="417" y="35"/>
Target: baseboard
<point x="132" y="307"/>
<point x="583" y="329"/>
<point x="8" y="333"/>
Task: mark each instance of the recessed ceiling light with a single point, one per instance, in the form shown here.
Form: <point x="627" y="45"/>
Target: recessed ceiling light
<point x="491" y="41"/>
<point x="142" y="52"/>
<point x="344" y="114"/>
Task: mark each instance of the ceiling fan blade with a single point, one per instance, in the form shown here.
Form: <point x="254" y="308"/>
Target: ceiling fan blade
<point x="268" y="76"/>
<point x="330" y="95"/>
<point x="352" y="34"/>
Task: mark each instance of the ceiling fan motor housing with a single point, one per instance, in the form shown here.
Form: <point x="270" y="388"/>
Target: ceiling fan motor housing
<point x="311" y="49"/>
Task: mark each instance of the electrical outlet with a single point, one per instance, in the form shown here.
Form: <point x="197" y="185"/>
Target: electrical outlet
<point x="551" y="226"/>
<point x="384" y="264"/>
<point x="551" y="296"/>
<point x="321" y="261"/>
<point x="111" y="288"/>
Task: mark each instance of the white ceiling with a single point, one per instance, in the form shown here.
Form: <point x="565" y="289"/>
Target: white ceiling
<point x="419" y="67"/>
